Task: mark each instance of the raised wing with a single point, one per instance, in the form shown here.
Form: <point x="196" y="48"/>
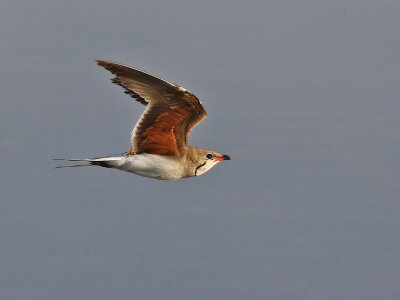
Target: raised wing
<point x="171" y="111"/>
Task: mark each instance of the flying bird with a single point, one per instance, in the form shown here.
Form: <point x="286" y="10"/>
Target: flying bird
<point x="159" y="139"/>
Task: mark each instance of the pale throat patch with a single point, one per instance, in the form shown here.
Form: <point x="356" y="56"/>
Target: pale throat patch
<point x="204" y="167"/>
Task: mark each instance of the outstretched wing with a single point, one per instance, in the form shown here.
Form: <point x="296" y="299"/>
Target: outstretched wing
<point x="171" y="111"/>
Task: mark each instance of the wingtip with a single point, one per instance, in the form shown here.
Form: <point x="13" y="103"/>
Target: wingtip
<point x="108" y="64"/>
<point x="101" y="62"/>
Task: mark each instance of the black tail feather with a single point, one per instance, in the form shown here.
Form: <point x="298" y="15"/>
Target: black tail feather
<point x="89" y="164"/>
<point x="100" y="164"/>
<point x="73" y="166"/>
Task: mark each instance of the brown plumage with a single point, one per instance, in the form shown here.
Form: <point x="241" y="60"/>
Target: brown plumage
<point x="171" y="111"/>
<point x="159" y="140"/>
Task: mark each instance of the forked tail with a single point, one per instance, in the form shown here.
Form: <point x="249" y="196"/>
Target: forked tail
<point x="90" y="164"/>
<point x="105" y="162"/>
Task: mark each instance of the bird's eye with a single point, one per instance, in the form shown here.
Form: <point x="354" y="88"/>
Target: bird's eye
<point x="209" y="156"/>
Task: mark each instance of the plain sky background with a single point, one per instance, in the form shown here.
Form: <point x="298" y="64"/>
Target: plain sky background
<point x="303" y="95"/>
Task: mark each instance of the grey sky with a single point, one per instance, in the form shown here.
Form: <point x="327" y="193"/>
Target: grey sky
<point x="303" y="95"/>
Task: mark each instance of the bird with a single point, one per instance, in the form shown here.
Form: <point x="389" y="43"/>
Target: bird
<point x="159" y="140"/>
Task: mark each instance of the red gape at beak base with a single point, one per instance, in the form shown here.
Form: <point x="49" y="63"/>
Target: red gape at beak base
<point x="223" y="157"/>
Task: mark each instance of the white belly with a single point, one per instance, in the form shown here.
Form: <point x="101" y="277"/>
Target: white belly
<point x="149" y="165"/>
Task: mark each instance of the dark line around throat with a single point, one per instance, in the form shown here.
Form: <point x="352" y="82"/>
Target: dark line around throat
<point x="198" y="167"/>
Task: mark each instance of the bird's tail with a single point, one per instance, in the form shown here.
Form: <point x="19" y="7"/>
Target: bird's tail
<point x="74" y="159"/>
<point x="106" y="162"/>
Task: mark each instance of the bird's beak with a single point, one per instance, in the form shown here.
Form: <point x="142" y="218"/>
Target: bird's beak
<point x="223" y="157"/>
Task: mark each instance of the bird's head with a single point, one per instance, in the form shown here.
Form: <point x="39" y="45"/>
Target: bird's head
<point x="204" y="160"/>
